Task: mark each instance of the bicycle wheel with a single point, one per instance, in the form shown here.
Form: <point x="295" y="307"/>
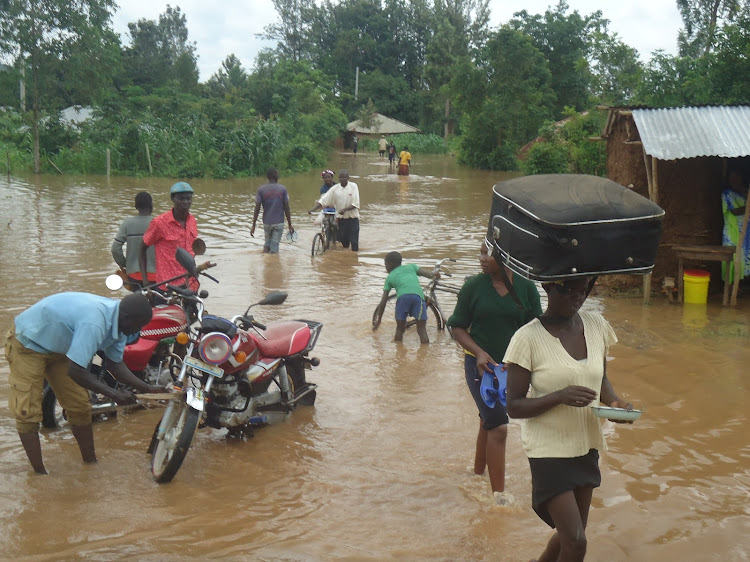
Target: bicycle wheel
<point x="318" y="245"/>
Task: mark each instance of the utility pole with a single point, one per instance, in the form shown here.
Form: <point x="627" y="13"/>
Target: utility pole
<point x="356" y="84"/>
<point x="22" y="86"/>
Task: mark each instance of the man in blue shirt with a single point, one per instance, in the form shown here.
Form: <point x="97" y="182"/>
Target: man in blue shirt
<point x="56" y="339"/>
<point x="275" y="201"/>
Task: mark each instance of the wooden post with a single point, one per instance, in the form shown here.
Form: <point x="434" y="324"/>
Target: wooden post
<point x="739" y="254"/>
<point x="647" y="163"/>
<point x="647" y="288"/>
<point x="55" y="167"/>
<point x="148" y="157"/>
<point x="654" y="180"/>
<point x="108" y="162"/>
<point x="7" y="157"/>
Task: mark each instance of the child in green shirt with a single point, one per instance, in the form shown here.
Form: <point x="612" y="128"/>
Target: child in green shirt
<point x="409" y="295"/>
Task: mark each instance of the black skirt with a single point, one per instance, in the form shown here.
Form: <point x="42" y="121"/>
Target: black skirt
<point x="551" y="477"/>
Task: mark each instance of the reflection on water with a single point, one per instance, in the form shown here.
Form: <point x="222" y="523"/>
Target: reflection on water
<point x="378" y="469"/>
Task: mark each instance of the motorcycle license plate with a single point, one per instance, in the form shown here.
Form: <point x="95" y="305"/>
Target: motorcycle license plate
<point x="218" y="372"/>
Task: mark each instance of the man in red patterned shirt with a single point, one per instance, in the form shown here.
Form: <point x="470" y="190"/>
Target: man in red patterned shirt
<point x="171" y="230"/>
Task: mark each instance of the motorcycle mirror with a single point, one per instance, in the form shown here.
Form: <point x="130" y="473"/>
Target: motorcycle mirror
<point x="199" y="247"/>
<point x="114" y="282"/>
<point x="274" y="297"/>
<point x="187" y="261"/>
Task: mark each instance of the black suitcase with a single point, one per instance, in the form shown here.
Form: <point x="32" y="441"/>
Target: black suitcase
<point x="565" y="226"/>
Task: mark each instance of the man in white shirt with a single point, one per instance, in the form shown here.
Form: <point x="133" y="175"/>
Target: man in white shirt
<point x="344" y="197"/>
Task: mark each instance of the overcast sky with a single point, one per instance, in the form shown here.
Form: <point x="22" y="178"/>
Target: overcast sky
<point x="230" y="26"/>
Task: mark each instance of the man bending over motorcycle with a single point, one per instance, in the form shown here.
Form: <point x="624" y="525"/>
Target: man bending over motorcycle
<point x="56" y="339"/>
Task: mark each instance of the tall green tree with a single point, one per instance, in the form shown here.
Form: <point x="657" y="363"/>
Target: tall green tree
<point x="504" y="100"/>
<point x="730" y="67"/>
<point x="230" y="79"/>
<point x="702" y="19"/>
<point x="615" y="68"/>
<point x="563" y="39"/>
<point x="161" y="51"/>
<point x="293" y="32"/>
<point x="40" y="34"/>
<point x="461" y="29"/>
<point x="675" y="81"/>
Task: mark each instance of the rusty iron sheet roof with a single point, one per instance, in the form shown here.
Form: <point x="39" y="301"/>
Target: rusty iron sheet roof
<point x="688" y="132"/>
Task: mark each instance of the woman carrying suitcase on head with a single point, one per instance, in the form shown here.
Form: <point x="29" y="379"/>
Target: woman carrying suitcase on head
<point x="556" y="369"/>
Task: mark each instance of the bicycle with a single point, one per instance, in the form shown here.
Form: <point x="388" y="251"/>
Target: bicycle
<point x="323" y="240"/>
<point x="436" y="319"/>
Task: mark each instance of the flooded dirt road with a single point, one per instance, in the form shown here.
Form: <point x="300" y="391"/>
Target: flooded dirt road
<point x="378" y="469"/>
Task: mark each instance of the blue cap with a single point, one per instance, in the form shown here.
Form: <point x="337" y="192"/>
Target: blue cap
<point x="181" y="187"/>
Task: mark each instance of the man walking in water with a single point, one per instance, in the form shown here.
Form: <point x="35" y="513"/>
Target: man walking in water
<point x="382" y="145"/>
<point x="171" y="230"/>
<point x="274" y="199"/>
<point x="130" y="234"/>
<point x="344" y="197"/>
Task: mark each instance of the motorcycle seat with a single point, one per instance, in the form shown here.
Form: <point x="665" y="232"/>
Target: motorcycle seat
<point x="284" y="338"/>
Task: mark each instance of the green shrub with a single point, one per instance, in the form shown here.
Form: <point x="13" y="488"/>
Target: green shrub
<point x="546" y="157"/>
<point x="418" y="143"/>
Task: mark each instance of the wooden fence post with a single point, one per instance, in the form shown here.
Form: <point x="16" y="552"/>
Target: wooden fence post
<point x="108" y="162"/>
<point x="55" y="167"/>
<point x="148" y="157"/>
<point x="7" y="156"/>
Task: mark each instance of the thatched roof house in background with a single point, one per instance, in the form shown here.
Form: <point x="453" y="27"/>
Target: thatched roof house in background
<point x="381" y="125"/>
<point x="679" y="158"/>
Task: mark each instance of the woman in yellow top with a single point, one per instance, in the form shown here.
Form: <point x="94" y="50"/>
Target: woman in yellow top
<point x="556" y="370"/>
<point x="404" y="162"/>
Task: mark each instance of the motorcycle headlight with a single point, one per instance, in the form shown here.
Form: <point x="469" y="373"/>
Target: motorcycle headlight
<point x="215" y="348"/>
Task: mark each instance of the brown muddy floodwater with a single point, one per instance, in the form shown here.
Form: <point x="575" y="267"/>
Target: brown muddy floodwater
<point x="378" y="469"/>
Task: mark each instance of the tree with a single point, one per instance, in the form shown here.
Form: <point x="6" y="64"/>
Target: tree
<point x="230" y="79"/>
<point x="615" y="69"/>
<point x="730" y="68"/>
<point x="563" y="39"/>
<point x="504" y="100"/>
<point x="702" y="20"/>
<point x="41" y="34"/>
<point x="460" y="31"/>
<point x="160" y="52"/>
<point x="292" y="33"/>
<point x="366" y="116"/>
<point x="674" y="81"/>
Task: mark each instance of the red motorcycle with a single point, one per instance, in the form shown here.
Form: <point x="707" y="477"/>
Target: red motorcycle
<point x="151" y="356"/>
<point x="237" y="374"/>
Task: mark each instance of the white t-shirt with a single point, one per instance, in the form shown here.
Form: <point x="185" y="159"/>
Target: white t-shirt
<point x="563" y="431"/>
<point x="341" y="198"/>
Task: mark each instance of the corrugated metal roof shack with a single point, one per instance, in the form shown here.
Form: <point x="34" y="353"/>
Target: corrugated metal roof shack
<point x="680" y="158"/>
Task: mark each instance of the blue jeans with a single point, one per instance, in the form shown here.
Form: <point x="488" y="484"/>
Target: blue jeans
<point x="273" y="237"/>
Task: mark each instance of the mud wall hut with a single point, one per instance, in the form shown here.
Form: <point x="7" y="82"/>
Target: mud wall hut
<point x="680" y="158"/>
